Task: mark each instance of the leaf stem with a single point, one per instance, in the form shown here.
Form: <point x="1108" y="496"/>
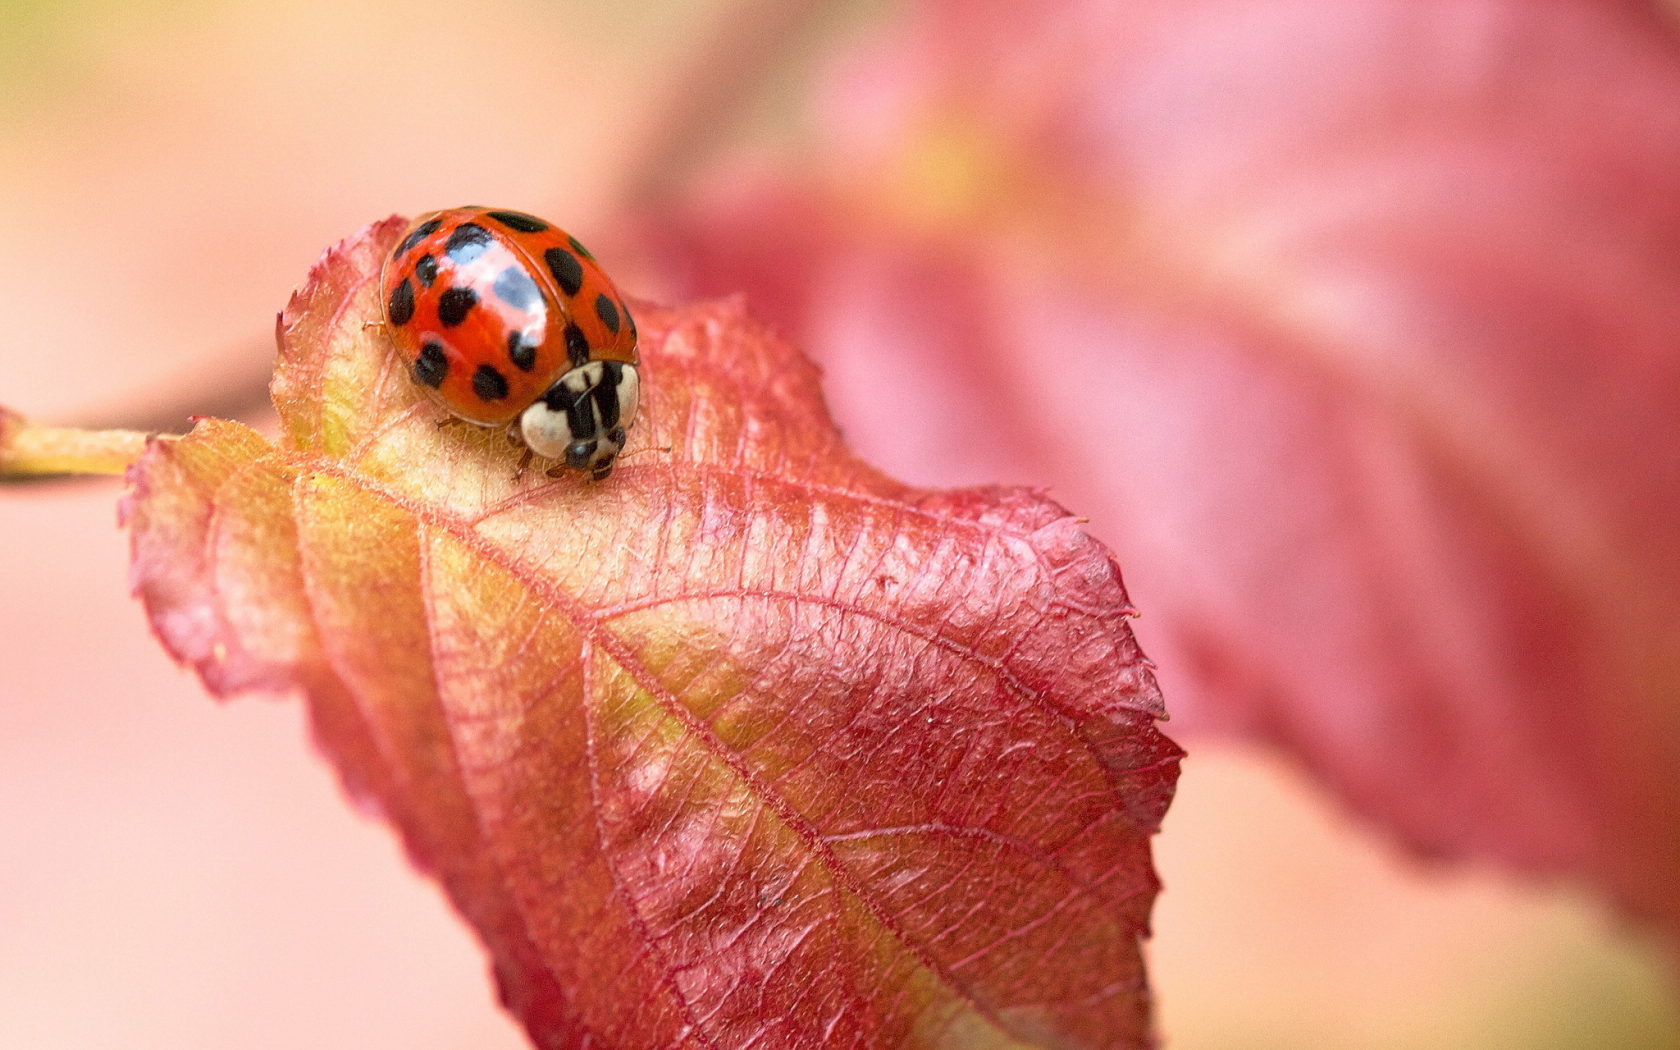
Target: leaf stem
<point x="29" y="451"/>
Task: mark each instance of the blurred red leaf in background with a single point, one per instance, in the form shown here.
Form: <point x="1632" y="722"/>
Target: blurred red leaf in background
<point x="747" y="746"/>
<point x="1354" y="327"/>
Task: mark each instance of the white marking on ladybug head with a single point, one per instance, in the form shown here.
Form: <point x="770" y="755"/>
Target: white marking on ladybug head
<point x="629" y="396"/>
<point x="545" y="431"/>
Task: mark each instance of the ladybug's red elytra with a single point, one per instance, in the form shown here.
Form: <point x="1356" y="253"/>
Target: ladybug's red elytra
<point x="505" y="320"/>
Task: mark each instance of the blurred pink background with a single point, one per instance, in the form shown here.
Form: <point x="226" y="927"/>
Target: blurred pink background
<point x="180" y="874"/>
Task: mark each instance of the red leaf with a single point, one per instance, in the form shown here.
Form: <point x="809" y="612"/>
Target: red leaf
<point x="747" y="746"/>
<point x="1354" y="323"/>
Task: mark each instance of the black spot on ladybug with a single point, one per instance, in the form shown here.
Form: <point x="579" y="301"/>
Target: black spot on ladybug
<point x="607" y="312"/>
<point x="453" y="305"/>
<point x="580" y="249"/>
<point x="606" y="394"/>
<point x="426" y="270"/>
<point x="631" y="321"/>
<point x="466" y="243"/>
<point x="416" y="235"/>
<point x="401" y="307"/>
<point x="518" y="220"/>
<point x="515" y="287"/>
<point x="489" y="384"/>
<point x="577" y="346"/>
<point x="559" y="398"/>
<point x="521" y="353"/>
<point x="580" y="418"/>
<point x="567" y="271"/>
<point x="431" y="366"/>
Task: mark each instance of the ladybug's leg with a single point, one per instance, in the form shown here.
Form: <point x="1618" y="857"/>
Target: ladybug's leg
<point x="525" y="453"/>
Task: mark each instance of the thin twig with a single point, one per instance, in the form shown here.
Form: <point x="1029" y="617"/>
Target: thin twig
<point x="29" y="452"/>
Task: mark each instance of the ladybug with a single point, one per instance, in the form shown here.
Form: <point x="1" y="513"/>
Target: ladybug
<point x="507" y="321"/>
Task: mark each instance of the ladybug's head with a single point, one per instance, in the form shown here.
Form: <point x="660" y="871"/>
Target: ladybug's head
<point x="583" y="417"/>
